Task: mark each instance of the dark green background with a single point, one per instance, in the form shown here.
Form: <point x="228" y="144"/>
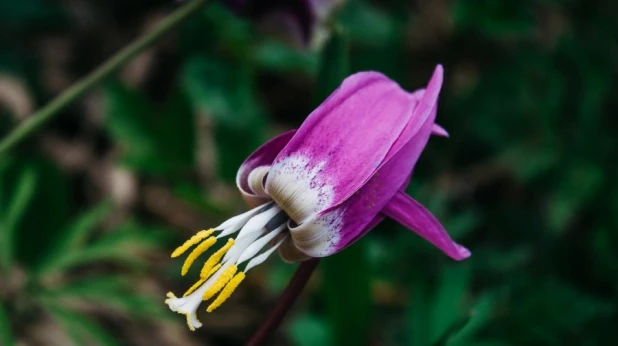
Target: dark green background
<point x="91" y="206"/>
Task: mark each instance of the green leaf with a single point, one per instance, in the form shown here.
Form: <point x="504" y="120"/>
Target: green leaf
<point x="333" y="66"/>
<point x="6" y="335"/>
<point x="177" y="136"/>
<point x="194" y="195"/>
<point x="223" y="91"/>
<point x="154" y="140"/>
<point x="82" y="329"/>
<point x="111" y="291"/>
<point x="347" y="294"/>
<point x="47" y="213"/>
<point x="435" y="311"/>
<point x="124" y="244"/>
<point x="75" y="235"/>
<point x="578" y="185"/>
<point x="309" y="330"/>
<point x="277" y="56"/>
<point x="495" y="18"/>
<point x="367" y="24"/>
<point x="480" y="316"/>
<point x="131" y="123"/>
<point x="446" y="309"/>
<point x="417" y="322"/>
<point x="16" y="209"/>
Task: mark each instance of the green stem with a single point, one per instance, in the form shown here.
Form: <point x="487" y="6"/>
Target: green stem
<point x="43" y="115"/>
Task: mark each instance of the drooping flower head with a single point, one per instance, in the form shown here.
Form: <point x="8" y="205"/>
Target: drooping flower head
<point x="316" y="190"/>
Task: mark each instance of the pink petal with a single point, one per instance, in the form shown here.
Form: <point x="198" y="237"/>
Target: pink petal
<point x="438" y="130"/>
<point x="414" y="216"/>
<point x="262" y="157"/>
<point x="424" y="112"/>
<point x="396" y="171"/>
<point x="337" y="222"/>
<point x="358" y="211"/>
<point x="342" y="143"/>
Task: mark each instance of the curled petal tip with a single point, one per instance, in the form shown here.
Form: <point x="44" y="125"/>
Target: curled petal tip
<point x="438" y="130"/>
<point x="463" y="253"/>
<point x="438" y="74"/>
<point x="439" y="69"/>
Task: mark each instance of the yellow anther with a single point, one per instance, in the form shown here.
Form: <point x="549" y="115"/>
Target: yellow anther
<point x="200" y="249"/>
<point x="226" y="276"/>
<point x="212" y="271"/>
<point x="199" y="236"/>
<point x="202" y="280"/>
<point x="227" y="292"/>
<point x="215" y="258"/>
<point x="194" y="287"/>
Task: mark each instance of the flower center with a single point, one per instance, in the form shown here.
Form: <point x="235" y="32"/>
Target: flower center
<point x="220" y="273"/>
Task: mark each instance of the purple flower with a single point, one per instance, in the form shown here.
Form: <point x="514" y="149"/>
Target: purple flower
<point x="316" y="190"/>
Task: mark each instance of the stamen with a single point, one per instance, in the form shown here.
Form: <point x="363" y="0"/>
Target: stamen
<point x="257" y="245"/>
<point x="212" y="271"/>
<point x="194" y="287"/>
<point x="227" y="292"/>
<point x="191" y="327"/>
<point x="240" y="246"/>
<point x="200" y="249"/>
<point x="223" y="279"/>
<point x="215" y="258"/>
<point x="239" y="220"/>
<point x="196" y="238"/>
<point x="257" y="222"/>
<point x="264" y="255"/>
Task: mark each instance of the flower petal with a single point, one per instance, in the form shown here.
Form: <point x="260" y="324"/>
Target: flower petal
<point x="252" y="171"/>
<point x="439" y="131"/>
<point x="332" y="229"/>
<point x="424" y="112"/>
<point x="405" y="210"/>
<point x="340" y="146"/>
<point x="340" y="226"/>
<point x="290" y="254"/>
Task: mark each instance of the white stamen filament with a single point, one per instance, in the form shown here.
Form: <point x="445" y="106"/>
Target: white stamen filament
<point x="257" y="222"/>
<point x="263" y="256"/>
<point x="257" y="245"/>
<point x="235" y="223"/>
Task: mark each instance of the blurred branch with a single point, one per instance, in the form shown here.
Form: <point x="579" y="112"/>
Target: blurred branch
<point x="43" y="115"/>
<point x="287" y="299"/>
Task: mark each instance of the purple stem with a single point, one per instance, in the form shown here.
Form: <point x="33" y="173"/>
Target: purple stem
<point x="287" y="299"/>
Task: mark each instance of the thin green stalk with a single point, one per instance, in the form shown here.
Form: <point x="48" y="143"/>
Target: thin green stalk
<point x="43" y="115"/>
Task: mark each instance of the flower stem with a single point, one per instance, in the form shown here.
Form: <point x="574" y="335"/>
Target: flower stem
<point x="43" y="115"/>
<point x="287" y="299"/>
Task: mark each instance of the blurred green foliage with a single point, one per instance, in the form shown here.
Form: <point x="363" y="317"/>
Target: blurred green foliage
<point x="525" y="180"/>
<point x="61" y="271"/>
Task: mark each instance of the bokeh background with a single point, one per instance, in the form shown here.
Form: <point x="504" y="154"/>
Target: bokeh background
<point x="91" y="205"/>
